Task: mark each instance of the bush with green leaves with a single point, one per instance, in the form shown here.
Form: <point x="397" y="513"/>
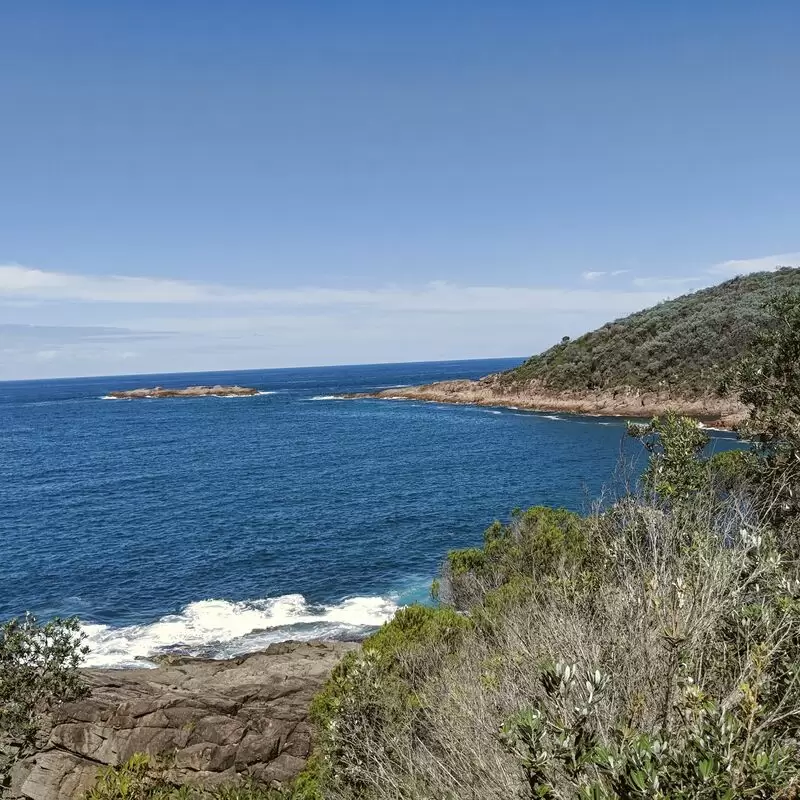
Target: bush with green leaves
<point x="517" y="555"/>
<point x="39" y="669"/>
<point x="676" y="468"/>
<point x="709" y="750"/>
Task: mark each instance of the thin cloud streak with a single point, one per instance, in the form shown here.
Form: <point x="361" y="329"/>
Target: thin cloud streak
<point x="764" y="263"/>
<point x="722" y="271"/>
<point x="18" y="282"/>
<point x="595" y="275"/>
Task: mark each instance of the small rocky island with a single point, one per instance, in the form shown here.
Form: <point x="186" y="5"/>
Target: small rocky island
<point x="189" y="391"/>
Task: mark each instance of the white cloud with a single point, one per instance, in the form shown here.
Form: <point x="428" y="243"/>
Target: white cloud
<point x="32" y="284"/>
<point x="764" y="263"/>
<point x="719" y="272"/>
<point x="593" y="276"/>
<point x="76" y="324"/>
<point x="94" y="325"/>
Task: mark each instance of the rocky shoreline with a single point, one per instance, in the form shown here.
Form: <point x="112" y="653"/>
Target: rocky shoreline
<point x="213" y="722"/>
<point x="712" y="411"/>
<point x="189" y="391"/>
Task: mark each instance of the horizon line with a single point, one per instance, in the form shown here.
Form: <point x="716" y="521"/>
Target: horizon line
<point x="259" y="369"/>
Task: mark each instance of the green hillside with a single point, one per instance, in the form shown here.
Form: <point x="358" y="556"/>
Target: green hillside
<point x="681" y="344"/>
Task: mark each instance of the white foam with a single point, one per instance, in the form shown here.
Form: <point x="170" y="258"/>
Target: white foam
<point x="490" y="411"/>
<point x="553" y="416"/>
<point x="272" y="392"/>
<point x="327" y="397"/>
<point x="223" y="629"/>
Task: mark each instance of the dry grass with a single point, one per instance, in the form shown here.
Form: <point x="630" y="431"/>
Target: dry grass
<point x="665" y="605"/>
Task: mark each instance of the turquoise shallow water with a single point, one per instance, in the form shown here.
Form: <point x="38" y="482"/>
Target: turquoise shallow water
<point x="217" y="525"/>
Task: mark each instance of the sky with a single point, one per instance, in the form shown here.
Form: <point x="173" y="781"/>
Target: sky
<point x="190" y="185"/>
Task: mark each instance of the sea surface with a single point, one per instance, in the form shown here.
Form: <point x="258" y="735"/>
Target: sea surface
<point x="215" y="526"/>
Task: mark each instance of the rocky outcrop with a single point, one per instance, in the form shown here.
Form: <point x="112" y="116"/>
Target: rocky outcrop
<point x="189" y="391"/>
<point x="211" y="722"/>
<point x="623" y="402"/>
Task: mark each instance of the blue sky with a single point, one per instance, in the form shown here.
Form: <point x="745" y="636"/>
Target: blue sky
<point x="188" y="184"/>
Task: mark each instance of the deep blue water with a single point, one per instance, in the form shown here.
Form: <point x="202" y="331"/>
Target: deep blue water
<point x="216" y="525"/>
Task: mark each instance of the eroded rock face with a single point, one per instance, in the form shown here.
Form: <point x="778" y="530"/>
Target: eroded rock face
<point x="212" y="720"/>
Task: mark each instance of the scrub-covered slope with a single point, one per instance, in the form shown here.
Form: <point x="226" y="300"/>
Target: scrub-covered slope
<point x="671" y="356"/>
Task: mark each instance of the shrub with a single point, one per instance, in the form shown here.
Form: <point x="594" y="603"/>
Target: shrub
<point x="648" y="651"/>
<point x="533" y="545"/>
<point x="767" y="381"/>
<point x="733" y="471"/>
<point x="375" y="692"/>
<point x="38" y="670"/>
<point x="137" y="779"/>
<point x="144" y="778"/>
<point x="675" y="469"/>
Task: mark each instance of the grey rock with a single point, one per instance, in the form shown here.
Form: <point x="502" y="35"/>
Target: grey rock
<point x="210" y="722"/>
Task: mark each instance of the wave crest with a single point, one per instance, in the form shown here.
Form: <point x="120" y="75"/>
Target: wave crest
<point x="225" y="629"/>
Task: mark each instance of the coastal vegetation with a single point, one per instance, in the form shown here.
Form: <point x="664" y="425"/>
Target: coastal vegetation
<point x="648" y="649"/>
<point x="684" y="345"/>
<point x="672" y="357"/>
<point x="39" y="669"/>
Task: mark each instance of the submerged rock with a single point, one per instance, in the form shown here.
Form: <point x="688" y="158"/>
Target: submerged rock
<point x="189" y="391"/>
<point x="213" y="720"/>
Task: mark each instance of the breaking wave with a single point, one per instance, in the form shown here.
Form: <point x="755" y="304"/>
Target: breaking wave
<point x="225" y="629"/>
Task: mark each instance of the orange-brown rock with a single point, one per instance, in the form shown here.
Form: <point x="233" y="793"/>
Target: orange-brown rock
<point x="623" y="402"/>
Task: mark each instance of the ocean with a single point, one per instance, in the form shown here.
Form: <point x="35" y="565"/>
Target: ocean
<point x="215" y="526"/>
